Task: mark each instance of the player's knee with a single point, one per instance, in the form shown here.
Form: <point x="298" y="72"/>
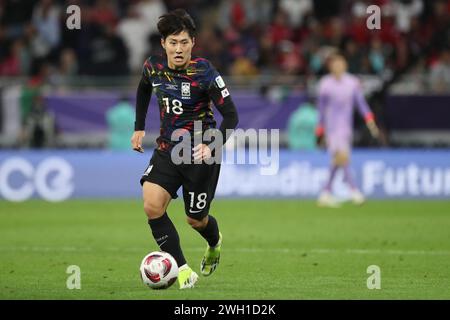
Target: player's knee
<point x="341" y="159"/>
<point x="197" y="224"/>
<point x="153" y="210"/>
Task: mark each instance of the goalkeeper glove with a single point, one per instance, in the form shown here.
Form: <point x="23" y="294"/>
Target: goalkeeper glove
<point x="320" y="131"/>
<point x="372" y="126"/>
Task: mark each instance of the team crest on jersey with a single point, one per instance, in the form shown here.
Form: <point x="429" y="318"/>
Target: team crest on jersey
<point x="185" y="90"/>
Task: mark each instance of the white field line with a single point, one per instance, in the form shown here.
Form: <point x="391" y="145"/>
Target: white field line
<point x="236" y="250"/>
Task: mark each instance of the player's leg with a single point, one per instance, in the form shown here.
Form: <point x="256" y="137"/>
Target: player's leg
<point x="207" y="227"/>
<point x="160" y="183"/>
<point x="356" y="195"/>
<point x="198" y="192"/>
<point x="326" y="198"/>
<point x="339" y="145"/>
<point x="209" y="230"/>
<point x="334" y="167"/>
<point x="156" y="200"/>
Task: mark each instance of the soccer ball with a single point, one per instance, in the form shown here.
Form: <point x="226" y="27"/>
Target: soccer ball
<point x="159" y="270"/>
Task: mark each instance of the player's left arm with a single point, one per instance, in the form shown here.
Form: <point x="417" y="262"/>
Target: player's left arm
<point x="365" y="112"/>
<point x="219" y="94"/>
<point x="224" y="103"/>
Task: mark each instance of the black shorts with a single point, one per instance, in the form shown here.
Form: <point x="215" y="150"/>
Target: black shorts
<point x="199" y="182"/>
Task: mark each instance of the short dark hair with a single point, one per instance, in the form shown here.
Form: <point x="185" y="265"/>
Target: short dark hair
<point x="175" y="22"/>
<point x="336" y="55"/>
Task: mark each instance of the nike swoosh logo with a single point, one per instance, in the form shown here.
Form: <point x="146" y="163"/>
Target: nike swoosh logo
<point x="156" y="84"/>
<point x="195" y="211"/>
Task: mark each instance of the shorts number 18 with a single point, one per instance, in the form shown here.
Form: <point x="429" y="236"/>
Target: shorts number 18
<point x="201" y="200"/>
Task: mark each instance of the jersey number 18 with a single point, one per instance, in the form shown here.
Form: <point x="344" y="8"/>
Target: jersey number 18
<point x="177" y="106"/>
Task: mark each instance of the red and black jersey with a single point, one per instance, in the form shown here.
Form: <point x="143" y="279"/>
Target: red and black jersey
<point x="184" y="96"/>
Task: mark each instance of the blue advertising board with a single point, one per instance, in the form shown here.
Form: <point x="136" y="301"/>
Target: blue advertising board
<point x="69" y="174"/>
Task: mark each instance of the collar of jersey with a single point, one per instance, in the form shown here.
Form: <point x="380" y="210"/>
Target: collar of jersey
<point x="175" y="71"/>
<point x="180" y="71"/>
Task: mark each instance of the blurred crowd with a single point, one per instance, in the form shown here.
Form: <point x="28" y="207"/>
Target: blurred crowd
<point x="243" y="38"/>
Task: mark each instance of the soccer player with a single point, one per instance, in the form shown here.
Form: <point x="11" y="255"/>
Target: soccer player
<point x="184" y="87"/>
<point x="338" y="93"/>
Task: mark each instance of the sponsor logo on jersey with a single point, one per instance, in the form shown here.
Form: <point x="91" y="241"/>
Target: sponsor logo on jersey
<point x="220" y="83"/>
<point x="170" y="86"/>
<point x="185" y="90"/>
<point x="225" y="93"/>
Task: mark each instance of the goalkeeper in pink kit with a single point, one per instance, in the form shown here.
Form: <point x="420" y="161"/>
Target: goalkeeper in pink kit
<point x="339" y="92"/>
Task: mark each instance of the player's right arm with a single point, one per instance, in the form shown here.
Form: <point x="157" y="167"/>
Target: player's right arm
<point x="143" y="96"/>
<point x="321" y="106"/>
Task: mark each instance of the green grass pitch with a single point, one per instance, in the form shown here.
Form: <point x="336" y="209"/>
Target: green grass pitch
<point x="272" y="249"/>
